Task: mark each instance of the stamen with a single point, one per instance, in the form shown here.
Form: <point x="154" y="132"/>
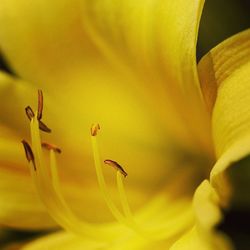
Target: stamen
<point x="123" y="196"/>
<point x="29" y="154"/>
<point x="49" y="189"/>
<point x="44" y="127"/>
<point x="128" y="221"/>
<point x="51" y="147"/>
<point x="40" y="105"/>
<point x="29" y="112"/>
<point x="116" y="213"/>
<point x="50" y="194"/>
<point x="126" y="208"/>
<point x="117" y="166"/>
<point x="94" y="129"/>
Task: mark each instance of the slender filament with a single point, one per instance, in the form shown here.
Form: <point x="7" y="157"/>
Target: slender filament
<point x="116" y="213"/>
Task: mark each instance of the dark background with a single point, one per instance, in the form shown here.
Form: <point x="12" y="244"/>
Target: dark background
<point x="220" y="20"/>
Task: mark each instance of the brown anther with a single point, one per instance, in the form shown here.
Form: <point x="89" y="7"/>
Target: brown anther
<point x="40" y="105"/>
<point x="29" y="154"/>
<point x="117" y="166"/>
<point x="29" y="112"/>
<point x="51" y="147"/>
<point x="44" y="127"/>
<point x="94" y="129"/>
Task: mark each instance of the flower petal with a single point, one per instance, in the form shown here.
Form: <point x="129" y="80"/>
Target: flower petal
<point x="192" y="240"/>
<point x="176" y="217"/>
<point x="62" y="241"/>
<point x="226" y="70"/>
<point x="203" y="236"/>
<point x="156" y="42"/>
<point x="15" y="95"/>
<point x="221" y="62"/>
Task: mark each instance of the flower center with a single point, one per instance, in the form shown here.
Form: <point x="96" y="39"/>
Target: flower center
<point x="151" y="224"/>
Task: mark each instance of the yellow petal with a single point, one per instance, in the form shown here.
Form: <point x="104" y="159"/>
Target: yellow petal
<point x="62" y="241"/>
<point x="226" y="69"/>
<point x="206" y="206"/>
<point x="175" y="216"/>
<point x="221" y="62"/>
<point x="231" y="114"/>
<point x="203" y="236"/>
<point x="192" y="240"/>
<point x="15" y="95"/>
<point x="156" y="43"/>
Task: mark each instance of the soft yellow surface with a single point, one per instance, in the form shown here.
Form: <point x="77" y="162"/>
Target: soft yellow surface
<point x="207" y="212"/>
<point x="104" y="53"/>
<point x="219" y="63"/>
<point x="131" y="68"/>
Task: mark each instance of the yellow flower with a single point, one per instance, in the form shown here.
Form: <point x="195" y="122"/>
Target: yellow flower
<point x="131" y="67"/>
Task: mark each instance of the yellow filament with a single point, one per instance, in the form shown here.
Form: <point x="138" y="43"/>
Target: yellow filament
<point x="98" y="166"/>
<point x="128" y="218"/>
<point x="126" y="207"/>
<point x="123" y="196"/>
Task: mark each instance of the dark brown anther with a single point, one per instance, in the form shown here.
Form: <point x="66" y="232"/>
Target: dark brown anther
<point x="51" y="147"/>
<point x="40" y="105"/>
<point x="29" y="112"/>
<point x="44" y="127"/>
<point x="117" y="166"/>
<point x="28" y="152"/>
<point x="94" y="129"/>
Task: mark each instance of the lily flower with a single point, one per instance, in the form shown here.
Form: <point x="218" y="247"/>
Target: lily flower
<point x="124" y="97"/>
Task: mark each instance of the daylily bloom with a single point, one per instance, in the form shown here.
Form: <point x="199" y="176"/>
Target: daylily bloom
<point x="130" y="67"/>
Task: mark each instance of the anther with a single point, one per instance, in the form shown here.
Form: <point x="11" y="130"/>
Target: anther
<point x="117" y="166"/>
<point x="94" y="129"/>
<point x="44" y="127"/>
<point x="51" y="147"/>
<point x="29" y="154"/>
<point x="40" y="105"/>
<point x="29" y="112"/>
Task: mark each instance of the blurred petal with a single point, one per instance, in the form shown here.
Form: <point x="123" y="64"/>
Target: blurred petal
<point x="15" y="95"/>
<point x="129" y="39"/>
<point x="192" y="240"/>
<point x="62" y="241"/>
<point x="174" y="219"/>
<point x="203" y="236"/>
<point x="206" y="202"/>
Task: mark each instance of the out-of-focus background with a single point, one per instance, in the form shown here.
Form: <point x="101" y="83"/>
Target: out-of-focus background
<point x="220" y="20"/>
